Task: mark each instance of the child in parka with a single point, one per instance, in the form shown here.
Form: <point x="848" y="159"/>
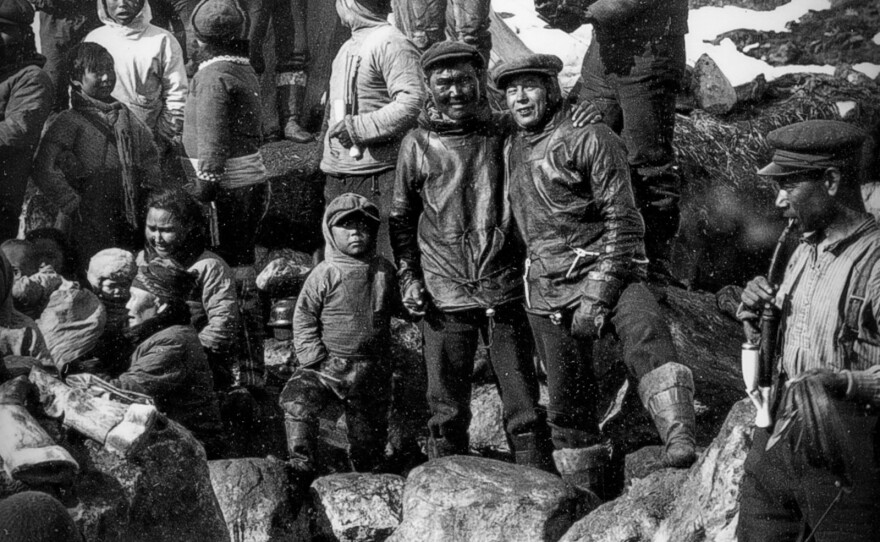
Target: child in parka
<point x="336" y="403"/>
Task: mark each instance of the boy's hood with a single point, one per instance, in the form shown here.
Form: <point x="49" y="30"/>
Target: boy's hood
<point x="356" y="16"/>
<point x="137" y="25"/>
<point x="346" y="203"/>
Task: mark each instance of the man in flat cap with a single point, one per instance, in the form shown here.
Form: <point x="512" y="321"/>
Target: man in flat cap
<point x="570" y="194"/>
<point x="25" y="104"/>
<point x="458" y="258"/>
<point x="632" y="72"/>
<point x="830" y="308"/>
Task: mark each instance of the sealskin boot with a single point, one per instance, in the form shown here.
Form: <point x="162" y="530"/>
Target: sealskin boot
<point x="668" y="394"/>
<point x="533" y="450"/>
<point x="584" y="470"/>
<point x="291" y="91"/>
<point x="442" y="447"/>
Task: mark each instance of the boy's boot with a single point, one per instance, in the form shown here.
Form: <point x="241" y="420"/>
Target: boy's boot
<point x="291" y="93"/>
<point x="533" y="450"/>
<point x="585" y="470"/>
<point x="668" y="394"/>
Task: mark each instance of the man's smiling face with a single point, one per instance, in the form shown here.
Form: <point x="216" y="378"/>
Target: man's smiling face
<point x="527" y="99"/>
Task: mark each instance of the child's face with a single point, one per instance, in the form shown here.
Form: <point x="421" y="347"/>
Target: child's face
<point x="22" y="259"/>
<point x="354" y="236"/>
<point x="123" y="11"/>
<point x="50" y="254"/>
<point x="115" y="289"/>
<point x="98" y="84"/>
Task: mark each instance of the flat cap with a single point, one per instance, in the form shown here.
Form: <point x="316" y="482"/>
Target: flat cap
<point x="448" y="51"/>
<point x="549" y="65"/>
<point x="812" y="145"/>
<point x="16" y="12"/>
<point x="220" y="20"/>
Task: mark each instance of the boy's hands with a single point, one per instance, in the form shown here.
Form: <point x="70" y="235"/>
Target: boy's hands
<point x="584" y="113"/>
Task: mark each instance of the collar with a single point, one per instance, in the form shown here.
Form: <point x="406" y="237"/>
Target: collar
<point x="844" y="235"/>
<point x="432" y="119"/>
<point x="240" y="60"/>
<point x="79" y="100"/>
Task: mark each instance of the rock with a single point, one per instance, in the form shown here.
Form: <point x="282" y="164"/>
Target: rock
<point x="708" y="505"/>
<point x="463" y="498"/>
<point x="283" y="277"/>
<point x="672" y="505"/>
<point x="712" y="89"/>
<point x="487" y="421"/>
<point x="636" y="515"/>
<point x="753" y="91"/>
<point x="356" y="507"/>
<point x="255" y="497"/>
<point x="160" y="493"/>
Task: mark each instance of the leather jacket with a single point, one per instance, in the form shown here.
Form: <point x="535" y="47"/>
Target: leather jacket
<point x="572" y="200"/>
<point x="451" y="223"/>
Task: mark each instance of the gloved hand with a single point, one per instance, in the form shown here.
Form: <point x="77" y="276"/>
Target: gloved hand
<point x="340" y="132"/>
<point x="566" y="15"/>
<point x="205" y="186"/>
<point x="598" y="296"/>
<point x="835" y="383"/>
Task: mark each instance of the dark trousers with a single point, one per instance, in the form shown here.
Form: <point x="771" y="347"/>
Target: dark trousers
<point x="175" y="15"/>
<point x="451" y="341"/>
<point x="633" y="82"/>
<point x="239" y="212"/>
<point x="288" y="19"/>
<point x="782" y="498"/>
<point x="59" y="33"/>
<point x="425" y="22"/>
<point x="378" y="188"/>
<point x="647" y="344"/>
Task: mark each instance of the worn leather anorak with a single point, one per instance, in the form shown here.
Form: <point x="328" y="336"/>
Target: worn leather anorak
<point x="451" y="221"/>
<point x="572" y="200"/>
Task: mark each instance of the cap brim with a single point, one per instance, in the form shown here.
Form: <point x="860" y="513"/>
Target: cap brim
<point x="502" y="78"/>
<point x="775" y="170"/>
<point x="457" y="56"/>
<point x="339" y="217"/>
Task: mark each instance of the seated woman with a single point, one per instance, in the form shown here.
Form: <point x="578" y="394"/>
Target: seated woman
<point x="19" y="335"/>
<point x="175" y="228"/>
<point x="168" y="362"/>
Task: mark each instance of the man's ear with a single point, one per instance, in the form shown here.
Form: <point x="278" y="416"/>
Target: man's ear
<point x="832" y="179"/>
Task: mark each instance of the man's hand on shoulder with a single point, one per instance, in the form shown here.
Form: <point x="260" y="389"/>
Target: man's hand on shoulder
<point x="585" y="113"/>
<point x="836" y="383"/>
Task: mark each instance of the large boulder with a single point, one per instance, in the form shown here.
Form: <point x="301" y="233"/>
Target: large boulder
<point x="672" y="505"/>
<point x="160" y="493"/>
<point x="462" y="498"/>
<point x="356" y="507"/>
<point x="256" y="500"/>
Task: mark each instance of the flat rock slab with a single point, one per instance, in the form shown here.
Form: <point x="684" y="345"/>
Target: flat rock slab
<point x="256" y="499"/>
<point x="463" y="499"/>
<point x="355" y="507"/>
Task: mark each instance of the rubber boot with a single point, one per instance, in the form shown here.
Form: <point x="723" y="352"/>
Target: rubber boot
<point x="584" y="470"/>
<point x="533" y="450"/>
<point x="668" y="394"/>
<point x="291" y="92"/>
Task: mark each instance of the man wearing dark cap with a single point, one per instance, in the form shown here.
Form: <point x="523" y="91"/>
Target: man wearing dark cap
<point x="453" y="234"/>
<point x="168" y="362"/>
<point x="632" y="72"/>
<point x="25" y="104"/>
<point x="830" y="302"/>
<point x="571" y="197"/>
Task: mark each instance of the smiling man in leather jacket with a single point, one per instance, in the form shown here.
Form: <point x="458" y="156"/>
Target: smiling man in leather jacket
<point x="453" y="235"/>
<point x="571" y="198"/>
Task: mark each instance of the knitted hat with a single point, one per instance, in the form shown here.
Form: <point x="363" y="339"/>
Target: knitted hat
<point x="33" y="516"/>
<point x="220" y="20"/>
<point x="166" y="279"/>
<point x="16" y="12"/>
<point x="812" y="145"/>
<point x="447" y="51"/>
<point x="111" y="263"/>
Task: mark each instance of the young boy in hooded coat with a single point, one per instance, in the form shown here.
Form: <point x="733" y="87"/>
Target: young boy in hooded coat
<point x="336" y="403"/>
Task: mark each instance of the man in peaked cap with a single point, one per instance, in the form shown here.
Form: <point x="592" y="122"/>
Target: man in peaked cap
<point x="831" y="295"/>
<point x="459" y="263"/>
<point x="25" y="104"/>
<point x="572" y="200"/>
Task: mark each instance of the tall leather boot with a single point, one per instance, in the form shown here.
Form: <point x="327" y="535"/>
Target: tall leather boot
<point x="585" y="470"/>
<point x="533" y="450"/>
<point x="668" y="394"/>
<point x="291" y="88"/>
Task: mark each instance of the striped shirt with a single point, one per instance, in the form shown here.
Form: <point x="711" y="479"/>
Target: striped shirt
<point x="814" y="297"/>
